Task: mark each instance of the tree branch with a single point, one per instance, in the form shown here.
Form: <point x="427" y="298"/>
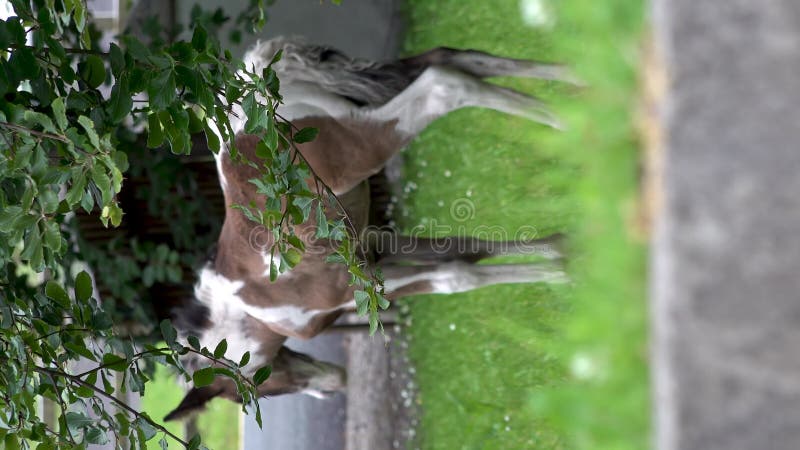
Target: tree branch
<point x="19" y="128"/>
<point x="74" y="379"/>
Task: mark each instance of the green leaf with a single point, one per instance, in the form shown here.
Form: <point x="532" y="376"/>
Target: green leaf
<point x="295" y="241"/>
<point x="212" y="139"/>
<point x="373" y="323"/>
<point x="9" y="217"/>
<point x="195" y="123"/>
<point x="115" y="362"/>
<point x="96" y="436"/>
<point x="200" y="39"/>
<point x="293" y="257"/>
<point x="276" y="57"/>
<point x="55" y="292"/>
<point x="261" y="375"/>
<point x="76" y="190"/>
<point x="271" y="138"/>
<point x="383" y="303"/>
<point x="335" y="258"/>
<point x="115" y="214"/>
<point x="194" y="443"/>
<point x="93" y="71"/>
<point x="79" y="348"/>
<point x="40" y="119"/>
<point x="120" y="102"/>
<point x="273" y="271"/>
<point x="135" y="47"/>
<point x="169" y="333"/>
<point x="362" y="302"/>
<point x="88" y="125"/>
<point x="203" y="377"/>
<point x="83" y="286"/>
<point x="87" y="202"/>
<point x="245" y="359"/>
<point x="155" y="133"/>
<point x="46" y="445"/>
<point x="117" y="58"/>
<point x="60" y="112"/>
<point x="80" y="16"/>
<point x="23" y="64"/>
<point x="148" y="429"/>
<point x="256" y="115"/>
<point x="322" y="222"/>
<point x="222" y="347"/>
<point x="123" y="422"/>
<point x="48" y="199"/>
<point x="77" y="421"/>
<point x="107" y="385"/>
<point x="52" y="235"/>
<point x="161" y="89"/>
<point x="103" y="183"/>
<point x="194" y="342"/>
<point x="101" y="320"/>
<point x="307" y="134"/>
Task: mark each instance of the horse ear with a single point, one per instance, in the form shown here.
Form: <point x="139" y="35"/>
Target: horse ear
<point x="194" y="401"/>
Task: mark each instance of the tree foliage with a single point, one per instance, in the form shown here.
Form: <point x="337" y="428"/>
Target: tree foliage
<point x="66" y="114"/>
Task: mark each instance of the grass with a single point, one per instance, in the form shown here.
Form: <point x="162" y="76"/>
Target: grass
<point x="535" y="366"/>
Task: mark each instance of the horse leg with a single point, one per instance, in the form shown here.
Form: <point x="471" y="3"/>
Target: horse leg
<point x="483" y="65"/>
<point x="457" y="276"/>
<point x="365" y="138"/>
<point x="393" y="248"/>
<point x="440" y="90"/>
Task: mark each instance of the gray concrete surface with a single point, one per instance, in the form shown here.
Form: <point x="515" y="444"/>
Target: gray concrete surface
<point x="726" y="287"/>
<point x="381" y="392"/>
<point x="363" y="28"/>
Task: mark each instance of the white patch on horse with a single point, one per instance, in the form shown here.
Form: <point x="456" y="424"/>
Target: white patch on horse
<point x="221" y="297"/>
<point x="302" y="99"/>
<point x="223" y="182"/>
<point x="228" y="310"/>
<point x="320" y="386"/>
<point x="440" y="90"/>
<point x="288" y="316"/>
<point x="445" y="279"/>
<point x="454" y="277"/>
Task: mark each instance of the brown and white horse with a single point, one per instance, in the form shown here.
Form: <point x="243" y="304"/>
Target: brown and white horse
<point x="366" y="112"/>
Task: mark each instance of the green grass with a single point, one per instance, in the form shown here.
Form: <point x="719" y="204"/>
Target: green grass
<point x="535" y="366"/>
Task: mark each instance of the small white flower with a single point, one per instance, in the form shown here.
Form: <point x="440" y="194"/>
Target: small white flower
<point x="447" y="173"/>
<point x="584" y="366"/>
<point x="537" y="13"/>
<point x="452" y="327"/>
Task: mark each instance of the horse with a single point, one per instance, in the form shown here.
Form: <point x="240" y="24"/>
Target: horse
<point x="365" y="112"/>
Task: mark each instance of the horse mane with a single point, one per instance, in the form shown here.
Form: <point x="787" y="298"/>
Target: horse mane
<point x="364" y="82"/>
